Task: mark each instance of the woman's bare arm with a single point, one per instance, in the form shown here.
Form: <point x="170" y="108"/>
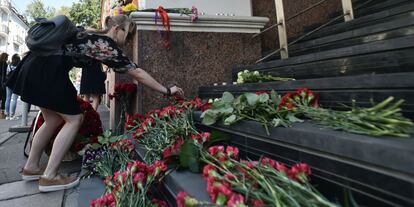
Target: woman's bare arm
<point x="146" y="79"/>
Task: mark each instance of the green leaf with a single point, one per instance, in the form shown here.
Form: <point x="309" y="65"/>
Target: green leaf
<point x="275" y="97"/>
<point x="227" y="97"/>
<point x="101" y="139"/>
<point x="209" y="118"/>
<point x="114" y="139"/>
<point x="292" y="118"/>
<point x="217" y="136"/>
<point x="95" y="146"/>
<point x="190" y="156"/>
<point x="263" y="98"/>
<point x="225" y="110"/>
<point x="252" y="98"/>
<point x="230" y="120"/>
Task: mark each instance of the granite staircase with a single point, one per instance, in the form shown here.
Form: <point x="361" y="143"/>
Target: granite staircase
<point x="367" y="60"/>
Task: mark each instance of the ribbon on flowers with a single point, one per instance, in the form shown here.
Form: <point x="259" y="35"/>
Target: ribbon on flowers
<point x="165" y="20"/>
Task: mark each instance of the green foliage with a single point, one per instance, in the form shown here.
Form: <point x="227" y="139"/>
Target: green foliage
<point x="37" y="9"/>
<point x="86" y="13"/>
<point x="249" y="106"/>
<point x="190" y="156"/>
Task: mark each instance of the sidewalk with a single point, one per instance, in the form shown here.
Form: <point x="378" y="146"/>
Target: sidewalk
<point x="13" y="191"/>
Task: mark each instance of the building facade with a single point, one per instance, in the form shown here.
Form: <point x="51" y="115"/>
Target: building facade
<point x="13" y="29"/>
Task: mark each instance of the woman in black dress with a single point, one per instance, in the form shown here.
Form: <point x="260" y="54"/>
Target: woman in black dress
<point x="44" y="82"/>
<point x="93" y="84"/>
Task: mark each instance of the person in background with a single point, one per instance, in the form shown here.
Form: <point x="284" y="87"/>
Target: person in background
<point x="11" y="98"/>
<point x="93" y="84"/>
<point x="3" y="79"/>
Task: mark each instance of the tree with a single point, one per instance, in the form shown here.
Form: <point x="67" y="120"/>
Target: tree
<point x="37" y="9"/>
<point x="86" y="13"/>
<point x="64" y="10"/>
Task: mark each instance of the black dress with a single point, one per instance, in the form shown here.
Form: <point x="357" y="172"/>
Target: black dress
<point x="93" y="80"/>
<point x="44" y="81"/>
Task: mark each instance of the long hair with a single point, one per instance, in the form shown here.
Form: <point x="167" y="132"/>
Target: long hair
<point x="121" y="21"/>
<point x="3" y="57"/>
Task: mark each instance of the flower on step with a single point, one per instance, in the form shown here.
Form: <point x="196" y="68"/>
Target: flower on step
<point x="194" y="14"/>
<point x="184" y="200"/>
<point x="236" y="200"/>
<point x="159" y="203"/>
<point x="133" y="121"/>
<point x="261" y="92"/>
<point x="174" y="149"/>
<point x="209" y="170"/>
<point x="168" y="111"/>
<point x="201" y="138"/>
<point x="300" y="172"/>
<point x="137" y="166"/>
<point x="125" y="145"/>
<point x="157" y="169"/>
<point x="218" y="152"/>
<point x="232" y="152"/>
<point x="108" y="200"/>
<point x="257" y="203"/>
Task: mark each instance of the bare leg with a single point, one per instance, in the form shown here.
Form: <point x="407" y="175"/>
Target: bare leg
<point x="62" y="143"/>
<point x="96" y="99"/>
<point x="42" y="137"/>
<point x="86" y="97"/>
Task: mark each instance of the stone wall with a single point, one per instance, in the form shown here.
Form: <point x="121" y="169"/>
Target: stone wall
<point x="320" y="14"/>
<point x="194" y="59"/>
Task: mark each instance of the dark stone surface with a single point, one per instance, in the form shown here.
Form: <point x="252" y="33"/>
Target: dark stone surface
<point x="335" y="91"/>
<point x="90" y="189"/>
<point x="389" y="153"/>
<point x="195" y="59"/>
<point x="379" y="168"/>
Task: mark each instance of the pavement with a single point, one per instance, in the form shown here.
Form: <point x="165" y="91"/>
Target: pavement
<point x="16" y="193"/>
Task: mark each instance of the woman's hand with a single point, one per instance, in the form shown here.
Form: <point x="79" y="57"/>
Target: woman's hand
<point x="176" y="90"/>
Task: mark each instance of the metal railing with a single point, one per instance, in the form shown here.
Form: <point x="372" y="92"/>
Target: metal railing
<point x="348" y="15"/>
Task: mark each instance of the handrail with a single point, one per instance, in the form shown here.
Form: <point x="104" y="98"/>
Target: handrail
<point x="313" y="31"/>
<point x="290" y="18"/>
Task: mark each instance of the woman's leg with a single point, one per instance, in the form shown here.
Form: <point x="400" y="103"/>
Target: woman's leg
<point x="8" y="98"/>
<point x="96" y="100"/>
<point x="42" y="137"/>
<point x="62" y="143"/>
<point x="13" y="104"/>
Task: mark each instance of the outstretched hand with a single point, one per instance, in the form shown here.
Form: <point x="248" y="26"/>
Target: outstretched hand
<point x="177" y="90"/>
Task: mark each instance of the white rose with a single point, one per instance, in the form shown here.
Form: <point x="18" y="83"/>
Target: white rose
<point x="256" y="72"/>
<point x="239" y="74"/>
<point x="246" y="71"/>
<point x="240" y="80"/>
<point x="210" y="100"/>
<point x="216" y="99"/>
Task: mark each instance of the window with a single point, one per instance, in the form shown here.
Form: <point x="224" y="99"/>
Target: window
<point x="16" y="48"/>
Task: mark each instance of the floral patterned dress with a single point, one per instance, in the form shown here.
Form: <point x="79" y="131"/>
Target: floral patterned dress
<point x="44" y="81"/>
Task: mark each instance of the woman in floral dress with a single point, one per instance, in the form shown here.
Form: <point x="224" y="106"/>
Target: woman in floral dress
<point x="44" y="81"/>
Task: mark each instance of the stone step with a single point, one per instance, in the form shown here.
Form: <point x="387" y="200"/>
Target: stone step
<point x="336" y="91"/>
<point x="369" y="19"/>
<point x="380" y="6"/>
<point x="340" y="61"/>
<point x="376" y="32"/>
<point x="378" y="171"/>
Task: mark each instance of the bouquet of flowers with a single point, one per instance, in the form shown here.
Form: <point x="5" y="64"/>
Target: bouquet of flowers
<point x="240" y="183"/>
<point x="131" y="187"/>
<point x="247" y="76"/>
<point x="123" y="94"/>
<point x="108" y="158"/>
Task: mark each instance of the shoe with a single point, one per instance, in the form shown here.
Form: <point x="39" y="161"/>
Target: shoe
<point x="7" y="117"/>
<point x="59" y="182"/>
<point x="29" y="175"/>
<point x="14" y="118"/>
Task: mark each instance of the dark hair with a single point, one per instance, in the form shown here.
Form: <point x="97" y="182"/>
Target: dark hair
<point x="15" y="59"/>
<point x="3" y="57"/>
